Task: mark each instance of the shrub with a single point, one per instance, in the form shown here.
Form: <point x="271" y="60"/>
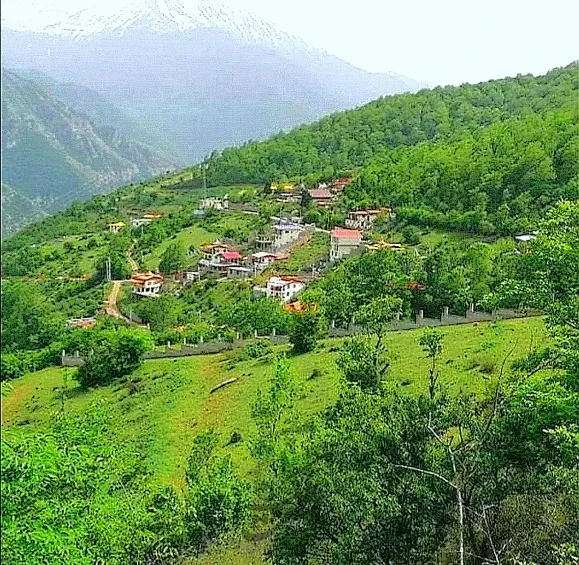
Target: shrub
<point x="117" y="354"/>
<point x="256" y="349"/>
<point x="306" y="331"/>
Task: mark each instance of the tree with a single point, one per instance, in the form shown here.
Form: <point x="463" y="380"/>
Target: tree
<point x="272" y="411"/>
<point x="115" y="354"/>
<point x="307" y="329"/>
<point x="411" y="235"/>
<point x="172" y="260"/>
<point x="363" y="363"/>
<point x="29" y="320"/>
<point x="218" y="500"/>
<point x="376" y="316"/>
<point x="431" y="342"/>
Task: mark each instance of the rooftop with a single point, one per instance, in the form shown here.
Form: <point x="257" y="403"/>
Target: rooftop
<point x="343" y="233"/>
<point x="141" y="278"/>
<point x="232" y="255"/>
<point x="320" y="193"/>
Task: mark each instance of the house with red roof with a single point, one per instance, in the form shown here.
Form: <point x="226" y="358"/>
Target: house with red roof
<point x="343" y="242"/>
<point x="338" y="185"/>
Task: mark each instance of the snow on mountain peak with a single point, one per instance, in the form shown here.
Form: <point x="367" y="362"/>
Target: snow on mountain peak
<point x="173" y="16"/>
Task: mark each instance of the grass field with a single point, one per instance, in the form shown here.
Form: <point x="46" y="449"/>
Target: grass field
<point x="192" y="236"/>
<point x="169" y="400"/>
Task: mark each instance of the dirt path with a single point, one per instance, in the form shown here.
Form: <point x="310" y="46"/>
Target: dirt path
<point x="111" y="306"/>
<point x="132" y="263"/>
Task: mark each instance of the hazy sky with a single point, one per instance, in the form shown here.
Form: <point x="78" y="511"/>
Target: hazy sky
<point x="437" y="41"/>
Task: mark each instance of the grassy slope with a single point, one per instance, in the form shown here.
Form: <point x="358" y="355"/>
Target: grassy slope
<point x="174" y="399"/>
<point x="173" y="403"/>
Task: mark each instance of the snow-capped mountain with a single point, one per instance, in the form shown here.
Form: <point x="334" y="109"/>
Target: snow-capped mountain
<point x="195" y="75"/>
<point x="172" y="16"/>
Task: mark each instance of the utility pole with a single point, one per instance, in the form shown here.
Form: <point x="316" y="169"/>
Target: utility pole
<point x="108" y="269"/>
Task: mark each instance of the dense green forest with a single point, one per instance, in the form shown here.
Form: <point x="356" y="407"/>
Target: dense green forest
<point x="486" y="157"/>
<point x="351" y="139"/>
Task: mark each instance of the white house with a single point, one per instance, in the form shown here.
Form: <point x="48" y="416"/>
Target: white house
<point x="285" y="233"/>
<point x="146" y="284"/>
<point x="191" y="276"/>
<point x="343" y="242"/>
<point x="215" y="203"/>
<point x="283" y="288"/>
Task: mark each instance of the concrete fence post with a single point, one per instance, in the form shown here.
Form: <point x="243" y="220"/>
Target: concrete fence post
<point x="397" y="317"/>
<point x="273" y="332"/>
<point x="76" y="354"/>
<point x="63" y="353"/>
<point x="254" y="333"/>
<point x="333" y="324"/>
<point x="168" y="345"/>
<point x="471" y="308"/>
<point x="445" y="312"/>
<point x="420" y="316"/>
<point x="200" y="340"/>
<point x="237" y="336"/>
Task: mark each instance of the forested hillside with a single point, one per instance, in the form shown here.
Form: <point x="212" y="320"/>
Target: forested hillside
<point x="353" y="138"/>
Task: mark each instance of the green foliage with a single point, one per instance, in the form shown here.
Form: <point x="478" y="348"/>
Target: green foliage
<point x="115" y="354"/>
<point x="411" y="235"/>
<point x="172" y="260"/>
<point x="256" y="350"/>
<point x="431" y="342"/>
<point x="363" y="363"/>
<point x="272" y="411"/>
<point x="219" y="500"/>
<point x="28" y="319"/>
<point x="352" y="139"/>
<point x="307" y="329"/>
<point x="162" y="312"/>
<point x="378" y="314"/>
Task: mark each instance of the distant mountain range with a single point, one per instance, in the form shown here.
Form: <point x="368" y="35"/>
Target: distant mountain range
<point x="53" y="153"/>
<point x="196" y="77"/>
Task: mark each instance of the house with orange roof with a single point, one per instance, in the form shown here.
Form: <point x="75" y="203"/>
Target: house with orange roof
<point x="146" y="284"/>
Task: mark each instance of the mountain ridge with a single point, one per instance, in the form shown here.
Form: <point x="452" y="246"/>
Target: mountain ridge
<point x="53" y="155"/>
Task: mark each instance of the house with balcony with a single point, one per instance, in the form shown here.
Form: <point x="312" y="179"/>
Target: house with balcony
<point x="146" y="284"/>
<point x="221" y="262"/>
<point x="282" y="288"/>
<point x="213" y="249"/>
<point x="343" y="242"/>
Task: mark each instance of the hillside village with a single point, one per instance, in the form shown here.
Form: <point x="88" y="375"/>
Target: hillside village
<point x="272" y="246"/>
